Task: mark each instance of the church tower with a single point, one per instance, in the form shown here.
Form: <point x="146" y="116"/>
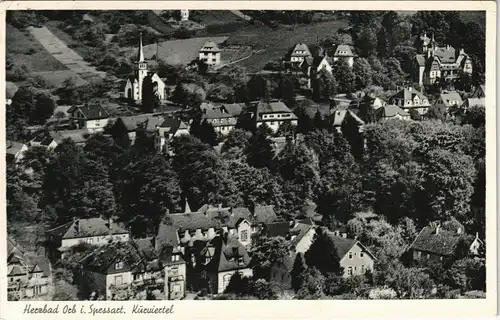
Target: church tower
<point x="142" y="67"/>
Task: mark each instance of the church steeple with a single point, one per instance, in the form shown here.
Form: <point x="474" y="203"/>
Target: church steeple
<point x="140" y="55"/>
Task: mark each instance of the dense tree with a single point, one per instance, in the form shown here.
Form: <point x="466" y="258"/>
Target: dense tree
<point x="207" y="133"/>
<point x="32" y="105"/>
<point x="363" y="73"/>
<point x="150" y="100"/>
<point x="21" y="205"/>
<point x="147" y="189"/>
<point x="236" y="142"/>
<point x="266" y="252"/>
<point x="261" y="151"/>
<point x="323" y="254"/>
<point x="298" y="270"/>
<point x="409" y="283"/>
<point x="304" y="122"/>
<point x="345" y="76"/>
<point x="324" y="86"/>
<point x="312" y="285"/>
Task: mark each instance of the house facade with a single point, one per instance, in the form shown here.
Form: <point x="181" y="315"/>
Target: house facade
<point x="94" y="231"/>
<point x="436" y="243"/>
<point x="92" y="117"/>
<point x="27" y="277"/>
<point x="355" y="258"/>
<point x="436" y="62"/>
<point x="132" y="89"/>
<point x="449" y="99"/>
<point x="298" y="55"/>
<point x="221" y="120"/>
<point x="210" y="53"/>
<point x="274" y="114"/>
<point x="170" y="127"/>
<point x="411" y="99"/>
<point x="344" y="53"/>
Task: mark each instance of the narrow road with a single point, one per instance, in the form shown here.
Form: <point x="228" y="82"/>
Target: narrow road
<point x="233" y="62"/>
<point x="241" y="15"/>
<point x="68" y="57"/>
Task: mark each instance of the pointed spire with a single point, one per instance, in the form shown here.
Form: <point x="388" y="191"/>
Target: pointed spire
<point x="187" y="209"/>
<point x="140" y="57"/>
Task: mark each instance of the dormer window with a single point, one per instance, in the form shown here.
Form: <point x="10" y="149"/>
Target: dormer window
<point x="119" y="265"/>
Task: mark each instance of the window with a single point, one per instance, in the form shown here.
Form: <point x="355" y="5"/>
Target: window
<point x="137" y="276"/>
<point x="118" y="280"/>
<point x="363" y="269"/>
<point x="244" y="235"/>
<point x="428" y="256"/>
<point x="271" y="123"/>
<point x="174" y="272"/>
<point x="419" y="254"/>
<point x="119" y="265"/>
<point x="350" y="255"/>
<point x="349" y="271"/>
<point x="177" y="288"/>
<point x="361" y="254"/>
<point x="90" y="240"/>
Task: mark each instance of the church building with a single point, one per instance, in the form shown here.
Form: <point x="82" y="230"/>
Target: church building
<point x="439" y="62"/>
<point x="133" y="86"/>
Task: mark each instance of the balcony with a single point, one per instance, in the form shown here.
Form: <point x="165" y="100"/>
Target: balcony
<point x="176" y="278"/>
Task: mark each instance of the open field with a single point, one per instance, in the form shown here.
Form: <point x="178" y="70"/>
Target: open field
<point x="67" y="56"/>
<point x="22" y="48"/>
<point x="77" y="46"/>
<point x="176" y="51"/>
<point x="213" y="17"/>
<point x="274" y="44"/>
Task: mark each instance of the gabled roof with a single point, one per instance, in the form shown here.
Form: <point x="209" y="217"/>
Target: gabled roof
<point x="448" y="98"/>
<point x="227" y="255"/>
<point x="91" y="111"/>
<point x="344" y="245"/>
<point x="265" y="214"/>
<point x="277" y="229"/>
<point x="442" y="243"/>
<point x="191" y="221"/>
<point x="234" y="109"/>
<point x="445" y="54"/>
<point x="343" y="50"/>
<point x="301" y="47"/>
<point x="81" y="228"/>
<point x="390" y="111"/>
<point x="408" y="94"/>
<point x="210" y="46"/>
<point x="11" y="89"/>
<point x="132" y="122"/>
<point x="340" y="114"/>
<point x="103" y="257"/>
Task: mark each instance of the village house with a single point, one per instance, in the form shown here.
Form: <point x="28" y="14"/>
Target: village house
<point x="210" y="53"/>
<point x="342" y="115"/>
<point x="345" y="53"/>
<point x="132" y="89"/>
<point x="15" y="151"/>
<point x="129" y="126"/>
<point x="27" y="277"/>
<point x="184" y="15"/>
<point x="220" y="259"/>
<point x="118" y="267"/>
<point x="93" y="231"/>
<point x="281" y="272"/>
<point x="389" y="112"/>
<point x="274" y="114"/>
<point x="172" y="263"/>
<point x="298" y="55"/>
<point x="411" y="99"/>
<point x="52" y="139"/>
<point x="436" y="62"/>
<point x="436" y="243"/>
<point x="448" y="99"/>
<point x="221" y="120"/>
<point x="355" y="258"/>
<point x="92" y="117"/>
<point x="479" y="92"/>
<point x="168" y="129"/>
<point x="313" y="67"/>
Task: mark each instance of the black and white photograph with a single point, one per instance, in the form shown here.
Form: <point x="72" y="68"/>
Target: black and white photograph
<point x="246" y="155"/>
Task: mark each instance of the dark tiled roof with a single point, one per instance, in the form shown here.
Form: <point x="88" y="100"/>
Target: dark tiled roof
<point x="449" y="97"/>
<point x="210" y="46"/>
<point x="81" y="228"/>
<point x="11" y="89"/>
<point x="192" y="221"/>
<point x="131" y="123"/>
<point x="272" y="107"/>
<point x="408" y="94"/>
<point x="227" y="254"/>
<point x="166" y="235"/>
<point x="265" y="214"/>
<point x="103" y="257"/>
<point x="277" y="229"/>
<point x="91" y="111"/>
<point x="445" y="55"/>
<point x="443" y="243"/>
